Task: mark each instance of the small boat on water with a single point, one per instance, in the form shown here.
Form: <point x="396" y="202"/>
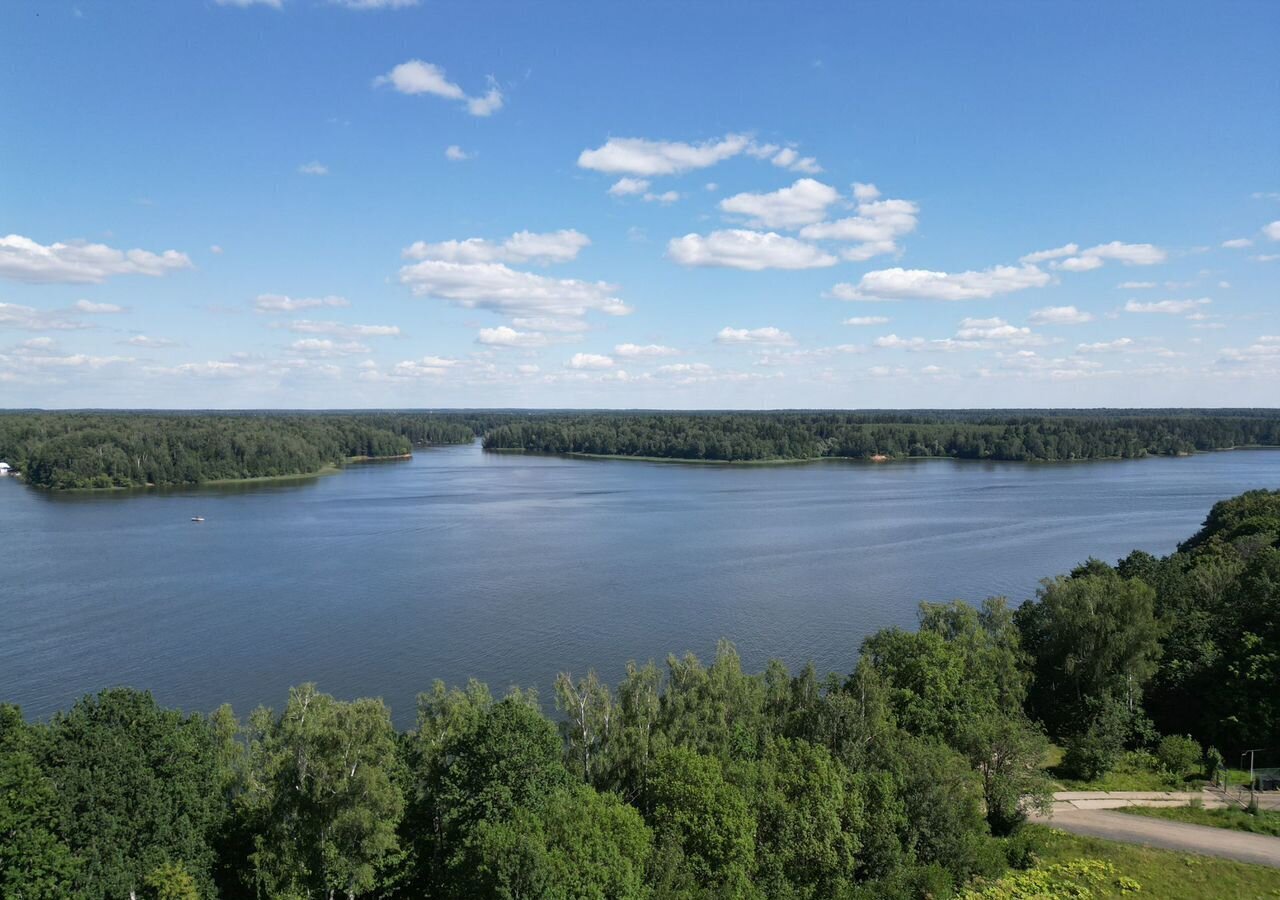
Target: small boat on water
<point x="197" y="518"/>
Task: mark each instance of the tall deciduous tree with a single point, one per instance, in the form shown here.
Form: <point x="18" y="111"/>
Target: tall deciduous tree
<point x="139" y="788"/>
<point x="1092" y="634"/>
<point x="587" y="726"/>
<point x="34" y="862"/>
<point x="691" y="804"/>
<point x="580" y="844"/>
<point x="324" y="792"/>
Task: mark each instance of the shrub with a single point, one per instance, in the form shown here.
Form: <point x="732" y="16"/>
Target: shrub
<point x="1178" y="755"/>
<point x="1023" y="848"/>
<point x="1090" y="755"/>
<point x="1214" y="764"/>
<point x="1077" y="878"/>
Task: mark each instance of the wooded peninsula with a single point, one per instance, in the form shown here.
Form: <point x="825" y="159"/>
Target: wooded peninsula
<point x="77" y="450"/>
<point x="909" y="776"/>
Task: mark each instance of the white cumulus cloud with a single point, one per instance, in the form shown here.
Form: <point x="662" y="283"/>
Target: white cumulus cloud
<point x="342" y="330"/>
<point x="638" y="156"/>
<point x="27" y="318"/>
<point x="1045" y="255"/>
<point x="522" y="247"/>
<point x="803" y="203"/>
<point x="96" y="309"/>
<point x="76" y="262"/>
<point x="272" y="303"/>
<point x="867" y="320"/>
<point x="1128" y="254"/>
<point x="419" y="77"/>
<point x="923" y="284"/>
<point x="627" y="186"/>
<point x="992" y="329"/>
<point x="766" y="335"/>
<point x="505" y="336"/>
<point x="1114" y="346"/>
<point x="1167" y="307"/>
<point x="666" y="198"/>
<point x="1059" y="315"/>
<point x="876" y="227"/>
<point x="750" y="250"/>
<point x="790" y="158"/>
<point x="1070" y="258"/>
<point x="510" y="292"/>
<point x="327" y="347"/>
<point x="454" y="153"/>
<point x="426" y="367"/>
<point x="589" y="361"/>
<point x="155" y="343"/>
<point x="641" y="351"/>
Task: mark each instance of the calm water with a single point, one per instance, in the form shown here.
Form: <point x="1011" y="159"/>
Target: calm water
<point x="511" y="568"/>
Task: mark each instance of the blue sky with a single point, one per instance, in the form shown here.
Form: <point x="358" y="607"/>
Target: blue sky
<point x="382" y="203"/>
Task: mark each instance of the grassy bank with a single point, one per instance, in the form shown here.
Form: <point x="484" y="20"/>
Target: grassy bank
<point x="1235" y="819"/>
<point x="1134" y="772"/>
<point x="1076" y="866"/>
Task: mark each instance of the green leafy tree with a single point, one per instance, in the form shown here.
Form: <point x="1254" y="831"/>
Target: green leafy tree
<point x="447" y="720"/>
<point x="512" y="759"/>
<point x="691" y="804"/>
<point x="580" y="844"/>
<point x="960" y="678"/>
<point x="171" y="881"/>
<point x="636" y="730"/>
<point x="1006" y="752"/>
<point x="717" y="709"/>
<point x="942" y="803"/>
<point x="1093" y="752"/>
<point x="475" y="761"/>
<point x="1091" y="635"/>
<point x="324" y="794"/>
<point x="1179" y="755"/>
<point x="588" y="723"/>
<point x="809" y="816"/>
<point x="34" y="862"/>
<point x="139" y="788"/>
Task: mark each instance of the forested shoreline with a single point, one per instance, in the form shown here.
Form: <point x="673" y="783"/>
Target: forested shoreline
<point x="908" y="776"/>
<point x="97" y="449"/>
<point x="996" y="435"/>
<point x="67" y="451"/>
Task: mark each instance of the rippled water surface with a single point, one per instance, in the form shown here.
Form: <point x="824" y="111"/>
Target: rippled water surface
<point x="510" y="568"/>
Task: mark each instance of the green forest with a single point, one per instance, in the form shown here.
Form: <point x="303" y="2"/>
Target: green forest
<point x="909" y="776"/>
<point x="110" y="450"/>
<point x="960" y="434"/>
<point x="81" y="450"/>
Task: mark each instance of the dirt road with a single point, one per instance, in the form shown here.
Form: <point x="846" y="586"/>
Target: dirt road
<point x="1238" y="845"/>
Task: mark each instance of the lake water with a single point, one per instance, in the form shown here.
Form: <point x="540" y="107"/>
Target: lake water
<point x="510" y="568"/>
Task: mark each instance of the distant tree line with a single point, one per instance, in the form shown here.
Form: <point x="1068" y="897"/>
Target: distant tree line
<point x="131" y="449"/>
<point x="909" y="777"/>
<point x="959" y="434"/>
<point x="103" y="450"/>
